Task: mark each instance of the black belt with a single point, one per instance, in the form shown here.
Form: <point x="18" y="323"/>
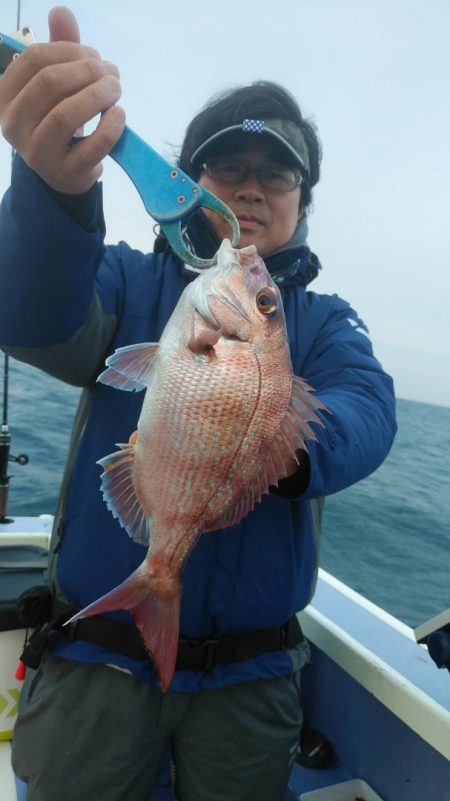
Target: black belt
<point x="36" y="609"/>
<point x="200" y="654"/>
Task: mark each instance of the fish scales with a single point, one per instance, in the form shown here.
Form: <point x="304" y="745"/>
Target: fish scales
<point x="208" y="422"/>
<point x="222" y="420"/>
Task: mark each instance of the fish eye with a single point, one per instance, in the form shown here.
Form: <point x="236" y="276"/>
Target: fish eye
<point x="267" y="301"/>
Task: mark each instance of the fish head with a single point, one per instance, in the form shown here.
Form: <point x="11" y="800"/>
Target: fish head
<point x="238" y="299"/>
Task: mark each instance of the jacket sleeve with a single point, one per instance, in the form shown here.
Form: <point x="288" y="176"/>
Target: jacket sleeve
<point x="59" y="297"/>
<point x="360" y="426"/>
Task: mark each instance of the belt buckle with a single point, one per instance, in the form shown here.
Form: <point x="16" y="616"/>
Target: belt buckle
<point x="70" y="630"/>
<point x="210" y="650"/>
<point x="205" y="648"/>
<point x="291" y="633"/>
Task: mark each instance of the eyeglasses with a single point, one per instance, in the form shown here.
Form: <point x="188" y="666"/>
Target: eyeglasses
<point x="275" y="178"/>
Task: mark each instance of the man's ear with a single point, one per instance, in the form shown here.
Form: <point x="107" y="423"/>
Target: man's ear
<point x="300" y="213"/>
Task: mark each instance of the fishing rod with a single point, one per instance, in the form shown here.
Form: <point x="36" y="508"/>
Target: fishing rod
<point x="5" y="436"/>
<point x="5" y="440"/>
<point x="5" y="454"/>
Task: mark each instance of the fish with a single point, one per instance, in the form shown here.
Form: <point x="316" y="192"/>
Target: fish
<point x="222" y="420"/>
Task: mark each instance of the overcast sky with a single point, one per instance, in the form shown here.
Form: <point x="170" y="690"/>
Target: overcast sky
<point x="374" y="75"/>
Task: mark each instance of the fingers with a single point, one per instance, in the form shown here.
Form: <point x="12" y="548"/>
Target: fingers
<point x="58" y="126"/>
<point x="74" y="168"/>
<point x="35" y="58"/>
<point x="63" y="25"/>
<point x="84" y="159"/>
<point x="49" y="88"/>
<point x="48" y="93"/>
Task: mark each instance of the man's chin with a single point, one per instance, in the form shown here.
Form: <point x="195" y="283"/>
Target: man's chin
<point x="251" y="238"/>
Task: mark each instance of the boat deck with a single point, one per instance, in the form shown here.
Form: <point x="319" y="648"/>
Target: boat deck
<point x="369" y="689"/>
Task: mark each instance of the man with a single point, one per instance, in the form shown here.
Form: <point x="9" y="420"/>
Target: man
<point x="93" y="721"/>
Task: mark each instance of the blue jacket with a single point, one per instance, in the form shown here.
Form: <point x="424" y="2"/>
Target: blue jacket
<point x="66" y="301"/>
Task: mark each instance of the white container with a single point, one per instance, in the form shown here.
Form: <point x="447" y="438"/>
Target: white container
<point x="355" y="790"/>
<point x="27" y="531"/>
<point x="11" y="646"/>
<point x="23" y="531"/>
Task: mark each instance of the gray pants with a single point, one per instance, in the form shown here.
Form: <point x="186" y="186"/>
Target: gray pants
<point x="92" y="733"/>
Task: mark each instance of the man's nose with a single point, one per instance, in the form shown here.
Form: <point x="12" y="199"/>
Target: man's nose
<point x="250" y="189"/>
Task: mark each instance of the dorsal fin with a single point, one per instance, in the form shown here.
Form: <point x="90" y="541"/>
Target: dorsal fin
<point x="289" y="438"/>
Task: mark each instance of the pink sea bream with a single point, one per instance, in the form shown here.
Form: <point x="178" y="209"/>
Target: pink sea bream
<point x="222" y="419"/>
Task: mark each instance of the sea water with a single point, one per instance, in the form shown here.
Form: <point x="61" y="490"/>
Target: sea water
<point x="387" y="536"/>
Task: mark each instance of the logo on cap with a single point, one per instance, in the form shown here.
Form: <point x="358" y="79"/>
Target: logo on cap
<point x="253" y="126"/>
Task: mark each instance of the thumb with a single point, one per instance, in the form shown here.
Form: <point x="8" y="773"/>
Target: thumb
<point x="63" y="25"/>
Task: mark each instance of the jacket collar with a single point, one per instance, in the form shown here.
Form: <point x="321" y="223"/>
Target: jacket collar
<point x="294" y="263"/>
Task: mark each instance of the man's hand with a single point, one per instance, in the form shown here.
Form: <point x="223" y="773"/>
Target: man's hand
<point x="48" y="94"/>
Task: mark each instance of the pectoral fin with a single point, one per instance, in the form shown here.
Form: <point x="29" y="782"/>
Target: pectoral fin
<point x="119" y="381"/>
<point x="120" y="496"/>
<point x="131" y="368"/>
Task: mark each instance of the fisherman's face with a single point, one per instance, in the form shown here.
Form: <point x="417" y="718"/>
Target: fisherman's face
<point x="267" y="218"/>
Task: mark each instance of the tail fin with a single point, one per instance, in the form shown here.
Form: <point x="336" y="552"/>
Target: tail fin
<point x="157" y="618"/>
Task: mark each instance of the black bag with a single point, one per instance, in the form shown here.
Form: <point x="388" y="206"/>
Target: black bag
<point x="23" y="574"/>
